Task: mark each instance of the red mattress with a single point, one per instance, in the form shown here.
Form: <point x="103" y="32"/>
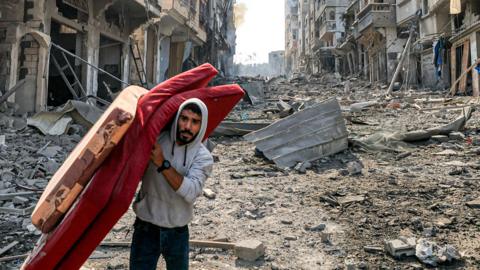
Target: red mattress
<point x="219" y="100"/>
<point x="55" y="245"/>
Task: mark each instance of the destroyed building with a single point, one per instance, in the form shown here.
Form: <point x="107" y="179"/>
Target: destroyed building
<point x="369" y="38"/>
<point x="53" y="51"/>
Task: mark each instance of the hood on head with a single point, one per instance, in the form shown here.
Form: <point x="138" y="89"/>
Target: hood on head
<point x="203" y="127"/>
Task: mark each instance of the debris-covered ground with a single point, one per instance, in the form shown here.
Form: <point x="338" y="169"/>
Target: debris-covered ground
<point x="338" y="214"/>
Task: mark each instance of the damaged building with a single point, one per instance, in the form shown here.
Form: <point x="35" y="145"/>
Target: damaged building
<point x="52" y="51"/>
<point x="433" y="41"/>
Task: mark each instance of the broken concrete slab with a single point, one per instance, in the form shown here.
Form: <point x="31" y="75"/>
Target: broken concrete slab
<point x="255" y="91"/>
<point x="307" y="135"/>
<point x="50" y="151"/>
<point x="402" y="247"/>
<point x="249" y="250"/>
<point x="20" y="200"/>
<point x="474" y="204"/>
<point x="351" y="199"/>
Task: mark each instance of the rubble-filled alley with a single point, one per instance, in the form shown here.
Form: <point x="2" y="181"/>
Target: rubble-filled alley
<point x="338" y="212"/>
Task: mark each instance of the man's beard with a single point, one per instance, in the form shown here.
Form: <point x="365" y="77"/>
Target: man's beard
<point x="183" y="140"/>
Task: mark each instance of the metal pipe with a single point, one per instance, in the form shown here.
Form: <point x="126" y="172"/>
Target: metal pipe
<point x="84" y="61"/>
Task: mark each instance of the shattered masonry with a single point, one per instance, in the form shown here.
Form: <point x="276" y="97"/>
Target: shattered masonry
<point x="367" y="37"/>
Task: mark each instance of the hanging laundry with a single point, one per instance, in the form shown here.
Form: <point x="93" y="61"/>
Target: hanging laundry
<point x="438" y="49"/>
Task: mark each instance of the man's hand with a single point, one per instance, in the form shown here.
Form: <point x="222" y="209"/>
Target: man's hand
<point x="157" y="155"/>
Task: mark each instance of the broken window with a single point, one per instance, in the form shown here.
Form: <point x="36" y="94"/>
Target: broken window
<point x="332" y="15"/>
<point x="425" y="6"/>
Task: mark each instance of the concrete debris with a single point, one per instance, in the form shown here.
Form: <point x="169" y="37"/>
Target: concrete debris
<point x="58" y="122"/>
<point x="360" y="106"/>
<point x="2" y="141"/>
<point x="249" y="250"/>
<point x="209" y="193"/>
<point x="302" y="167"/>
<point x="430" y="253"/>
<point x="402" y="247"/>
<point x="254" y="90"/>
<point x="354" y="167"/>
<point x="474" y="204"/>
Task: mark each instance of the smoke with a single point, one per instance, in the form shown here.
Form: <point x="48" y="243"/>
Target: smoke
<point x="240" y="9"/>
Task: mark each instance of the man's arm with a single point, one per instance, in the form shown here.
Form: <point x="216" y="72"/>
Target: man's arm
<point x="173" y="178"/>
<point x="191" y="185"/>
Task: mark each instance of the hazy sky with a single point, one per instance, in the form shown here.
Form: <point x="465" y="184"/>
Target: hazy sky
<point x="262" y="30"/>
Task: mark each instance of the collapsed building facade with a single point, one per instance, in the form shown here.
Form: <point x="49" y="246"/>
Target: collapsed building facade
<point x="56" y="50"/>
<point x="369" y="37"/>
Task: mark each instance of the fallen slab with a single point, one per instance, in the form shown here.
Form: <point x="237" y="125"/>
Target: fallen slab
<point x="255" y="91"/>
<point x="307" y="135"/>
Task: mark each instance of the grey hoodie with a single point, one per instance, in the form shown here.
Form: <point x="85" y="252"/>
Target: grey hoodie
<point x="157" y="202"/>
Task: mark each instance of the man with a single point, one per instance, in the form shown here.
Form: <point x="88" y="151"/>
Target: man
<point x="179" y="166"/>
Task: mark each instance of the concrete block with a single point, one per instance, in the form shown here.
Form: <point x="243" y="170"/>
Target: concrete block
<point x="249" y="250"/>
<point x="402" y="247"/>
<point x="209" y="193"/>
<point x="19" y="200"/>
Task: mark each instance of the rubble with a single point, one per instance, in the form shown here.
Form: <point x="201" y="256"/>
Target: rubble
<point x="430" y="253"/>
<point x="292" y="212"/>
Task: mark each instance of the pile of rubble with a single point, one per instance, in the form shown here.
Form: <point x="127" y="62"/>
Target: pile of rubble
<point x="28" y="159"/>
<point x="402" y="191"/>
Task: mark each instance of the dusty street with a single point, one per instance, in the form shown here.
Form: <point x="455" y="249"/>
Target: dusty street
<point x="336" y="215"/>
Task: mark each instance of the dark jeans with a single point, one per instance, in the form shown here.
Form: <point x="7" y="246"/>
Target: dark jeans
<point x="150" y="241"/>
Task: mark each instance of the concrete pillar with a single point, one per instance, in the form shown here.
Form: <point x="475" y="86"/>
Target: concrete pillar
<point x="93" y="44"/>
<point x="474" y="55"/>
<point x="337" y="64"/>
<point x="126" y="62"/>
<point x="158" y="60"/>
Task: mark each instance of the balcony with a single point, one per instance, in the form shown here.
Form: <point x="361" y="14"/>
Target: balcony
<point x="376" y="15"/>
<point x="183" y="13"/>
<point x="331" y="3"/>
<point x="327" y="29"/>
